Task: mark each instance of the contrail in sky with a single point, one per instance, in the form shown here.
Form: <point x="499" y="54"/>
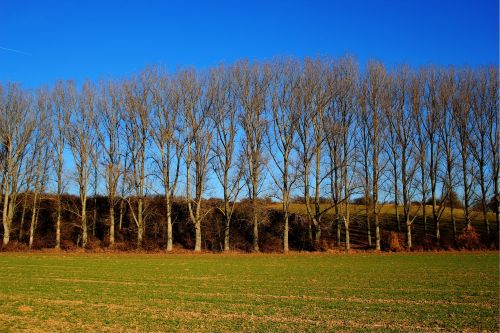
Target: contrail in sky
<point x="15" y="51"/>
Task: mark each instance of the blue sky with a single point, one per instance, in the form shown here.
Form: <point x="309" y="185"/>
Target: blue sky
<point x="97" y="39"/>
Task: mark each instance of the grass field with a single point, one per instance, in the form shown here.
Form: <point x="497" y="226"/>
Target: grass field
<point x="49" y="292"/>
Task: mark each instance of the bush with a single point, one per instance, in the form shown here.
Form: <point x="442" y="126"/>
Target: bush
<point x="15" y="246"/>
<point x="93" y="244"/>
<point x="123" y="246"/>
<point x="150" y="246"/>
<point x="68" y="245"/>
<point x="469" y="239"/>
<point x="392" y="241"/>
<point x="428" y="243"/>
<point x="38" y="244"/>
<point x="322" y="246"/>
<point x="271" y="245"/>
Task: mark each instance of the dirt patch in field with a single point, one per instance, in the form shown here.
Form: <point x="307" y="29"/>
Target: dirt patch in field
<point x="25" y="308"/>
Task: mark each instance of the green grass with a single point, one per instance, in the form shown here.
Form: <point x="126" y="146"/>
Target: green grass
<point x="253" y="293"/>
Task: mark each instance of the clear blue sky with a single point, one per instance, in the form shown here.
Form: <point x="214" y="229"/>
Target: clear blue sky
<point x="93" y="39"/>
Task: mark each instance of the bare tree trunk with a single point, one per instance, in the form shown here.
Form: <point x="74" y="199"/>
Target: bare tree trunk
<point x="347" y="237"/>
<point x="339" y="231"/>
<point x="433" y="177"/>
<point x="466" y="189"/>
<point x="32" y="228"/>
<point x="140" y="220"/>
<point x="5" y="218"/>
<point x="408" y="235"/>
<point x="347" y="217"/>
<point x="377" y="229"/>
<point x="424" y="195"/>
<point x="317" y="209"/>
<point x="197" y="227"/>
<point x="450" y="198"/>
<point x="23" y="215"/>
<point x="368" y="227"/>
<point x="58" y="223"/>
<point x="255" y="214"/>
<point x="84" y="222"/>
<point x="367" y="200"/>
<point x="285" y="234"/>
<point x="111" y="224"/>
<point x="396" y="200"/>
<point x="34" y="213"/>
<point x="226" y="235"/>
<point x="375" y="197"/>
<point x="255" y="233"/>
<point x="94" y="216"/>
<point x="120" y="218"/>
<point x="169" y="224"/>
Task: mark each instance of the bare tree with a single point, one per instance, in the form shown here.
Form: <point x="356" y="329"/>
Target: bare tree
<point x="315" y="98"/>
<point x="363" y="121"/>
<point x="40" y="155"/>
<point x="108" y="124"/>
<point x="393" y="155"/>
<point x="479" y="140"/>
<point x="252" y="85"/>
<point x="493" y="114"/>
<point x="304" y="131"/>
<point x="461" y="106"/>
<point x="63" y="96"/>
<point x="81" y="139"/>
<point x="17" y="124"/>
<point x="227" y="168"/>
<point x="137" y="109"/>
<point x="197" y="104"/>
<point x="432" y="124"/>
<point x="282" y="136"/>
<point x="447" y="132"/>
<point x="94" y="180"/>
<point x="341" y="140"/>
<point x="166" y="133"/>
<point x="417" y="88"/>
<point x="484" y="138"/>
<point x="28" y="175"/>
<point x="376" y="89"/>
<point x="407" y="104"/>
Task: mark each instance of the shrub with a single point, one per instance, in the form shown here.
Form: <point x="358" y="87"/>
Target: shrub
<point x="38" y="244"/>
<point x="271" y="245"/>
<point x="392" y="241"/>
<point x="150" y="246"/>
<point x="322" y="245"/>
<point x="68" y="245"/>
<point x="428" y="243"/>
<point x="15" y="246"/>
<point x="93" y="244"/>
<point x="123" y="246"/>
<point x="469" y="239"/>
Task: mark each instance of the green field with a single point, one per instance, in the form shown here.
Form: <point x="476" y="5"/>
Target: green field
<point x="50" y="292"/>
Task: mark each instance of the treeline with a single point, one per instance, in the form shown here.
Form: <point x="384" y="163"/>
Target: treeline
<point x="316" y="131"/>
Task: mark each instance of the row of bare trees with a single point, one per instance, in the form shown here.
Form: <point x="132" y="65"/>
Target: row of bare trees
<point x="314" y="128"/>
